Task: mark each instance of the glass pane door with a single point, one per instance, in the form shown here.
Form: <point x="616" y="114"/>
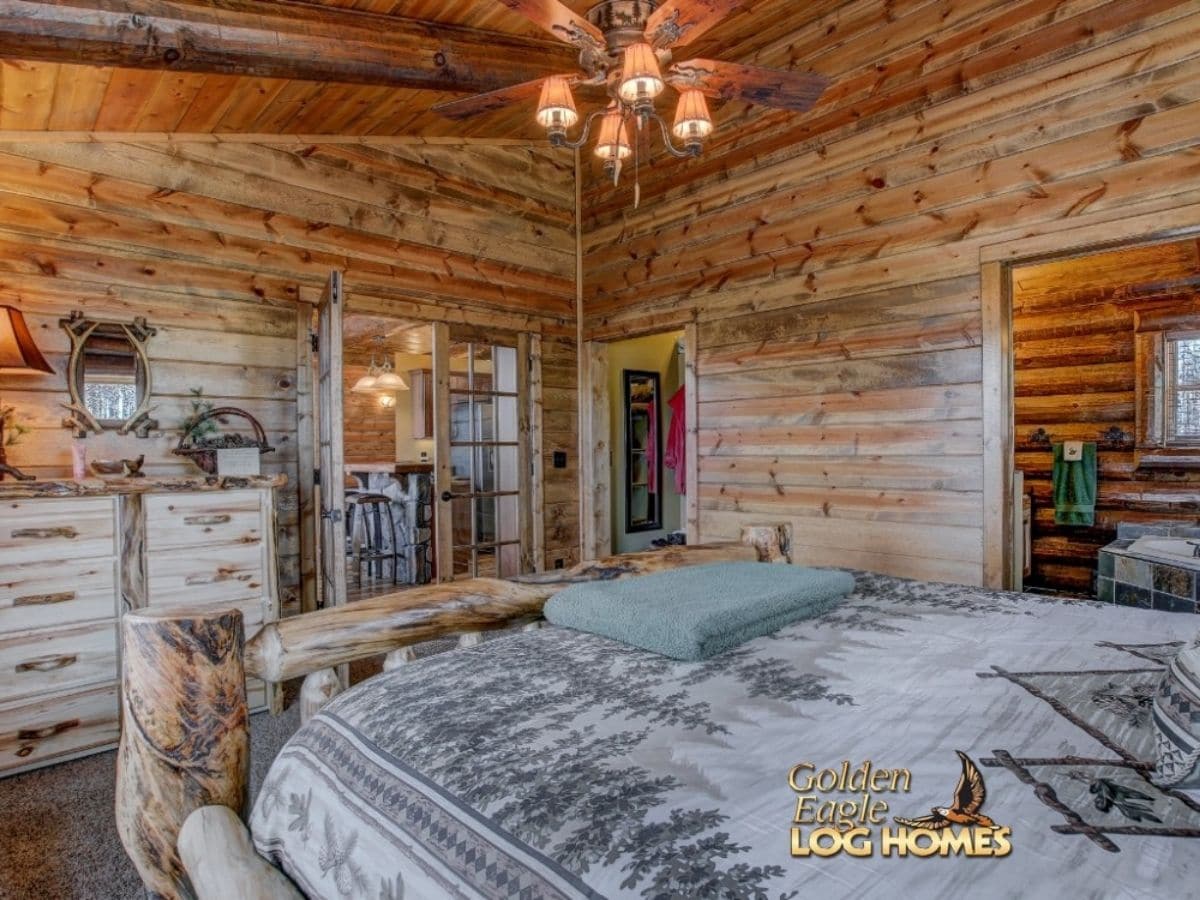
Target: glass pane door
<point x="486" y="485"/>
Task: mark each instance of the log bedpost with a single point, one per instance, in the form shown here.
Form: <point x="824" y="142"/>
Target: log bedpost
<point x="772" y="542"/>
<point x="185" y="739"/>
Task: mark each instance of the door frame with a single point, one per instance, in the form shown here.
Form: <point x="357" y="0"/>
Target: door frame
<point x="595" y="450"/>
<point x="1120" y="229"/>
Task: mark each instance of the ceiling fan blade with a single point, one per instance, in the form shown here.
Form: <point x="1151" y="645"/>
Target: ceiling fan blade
<point x="679" y="22"/>
<point x="567" y="26"/>
<point x="477" y="104"/>
<point x="732" y="81"/>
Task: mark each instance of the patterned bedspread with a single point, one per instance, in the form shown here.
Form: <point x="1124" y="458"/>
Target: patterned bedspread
<point x="559" y="764"/>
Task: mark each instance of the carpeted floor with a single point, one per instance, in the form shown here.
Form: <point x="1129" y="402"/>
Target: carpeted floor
<point x="59" y="837"/>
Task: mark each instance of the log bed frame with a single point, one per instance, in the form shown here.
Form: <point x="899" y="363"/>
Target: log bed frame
<point x="183" y="765"/>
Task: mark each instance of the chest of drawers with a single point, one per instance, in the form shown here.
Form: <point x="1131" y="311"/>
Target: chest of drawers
<point x="69" y="568"/>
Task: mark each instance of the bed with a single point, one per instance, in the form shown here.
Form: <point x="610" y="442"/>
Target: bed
<point x="555" y="763"/>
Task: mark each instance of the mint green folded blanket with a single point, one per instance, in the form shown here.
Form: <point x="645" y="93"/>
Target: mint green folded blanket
<point x="699" y="611"/>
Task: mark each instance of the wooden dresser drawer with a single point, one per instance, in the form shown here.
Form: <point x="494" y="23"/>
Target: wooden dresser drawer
<point x="211" y="575"/>
<point x="56" y="659"/>
<point x="204" y="519"/>
<point x="39" y="729"/>
<point x="41" y="595"/>
<point x="53" y="530"/>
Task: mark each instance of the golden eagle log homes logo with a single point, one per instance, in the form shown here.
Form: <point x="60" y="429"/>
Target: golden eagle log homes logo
<point x="846" y="810"/>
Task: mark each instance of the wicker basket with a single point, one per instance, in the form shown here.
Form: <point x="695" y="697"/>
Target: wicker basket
<point x="204" y="455"/>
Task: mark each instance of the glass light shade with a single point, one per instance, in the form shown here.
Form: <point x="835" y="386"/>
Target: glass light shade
<point x="640" y="75"/>
<point x="364" y="384"/>
<point x="389" y="381"/>
<point x="556" y="108"/>
<point x="18" y="353"/>
<point x="692" y="121"/>
<point x="613" y="141"/>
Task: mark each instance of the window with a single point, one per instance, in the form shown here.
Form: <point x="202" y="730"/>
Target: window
<point x="1181" y="393"/>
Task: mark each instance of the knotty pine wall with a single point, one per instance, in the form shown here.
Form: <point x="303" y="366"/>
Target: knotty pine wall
<point x="832" y="260"/>
<point x="1075" y="378"/>
<point x="215" y="243"/>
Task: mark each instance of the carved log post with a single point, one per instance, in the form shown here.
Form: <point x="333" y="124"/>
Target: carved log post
<point x="773" y="542"/>
<point x="316" y="690"/>
<point x="222" y="862"/>
<point x="185" y="739"/>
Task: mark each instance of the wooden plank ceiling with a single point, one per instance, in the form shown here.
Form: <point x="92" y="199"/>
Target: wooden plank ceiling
<point x="40" y="95"/>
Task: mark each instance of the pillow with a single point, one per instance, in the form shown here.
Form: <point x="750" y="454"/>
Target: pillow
<point x="1177" y="721"/>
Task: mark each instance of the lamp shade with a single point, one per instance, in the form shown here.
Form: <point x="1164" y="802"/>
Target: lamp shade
<point x="640" y="75"/>
<point x="389" y="381"/>
<point x="692" y="120"/>
<point x="556" y="108"/>
<point x="364" y="384"/>
<point x="18" y="352"/>
<point x="613" y="140"/>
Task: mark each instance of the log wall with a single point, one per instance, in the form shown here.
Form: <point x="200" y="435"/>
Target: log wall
<point x="1074" y="379"/>
<point x="831" y="261"/>
<point x="215" y="243"/>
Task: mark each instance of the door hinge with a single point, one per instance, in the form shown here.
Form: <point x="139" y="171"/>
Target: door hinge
<point x="315" y="340"/>
<point x="333" y="515"/>
<point x="316" y="477"/>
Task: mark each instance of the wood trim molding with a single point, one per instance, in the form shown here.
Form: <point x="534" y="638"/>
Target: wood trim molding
<point x="997" y="425"/>
<point x="691" y="458"/>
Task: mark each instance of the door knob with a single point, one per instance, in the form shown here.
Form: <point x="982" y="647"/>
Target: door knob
<point x="447" y="496"/>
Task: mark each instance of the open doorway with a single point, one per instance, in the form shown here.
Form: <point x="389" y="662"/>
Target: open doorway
<point x="638" y="451"/>
<point x="388" y="438"/>
<point x="645" y="377"/>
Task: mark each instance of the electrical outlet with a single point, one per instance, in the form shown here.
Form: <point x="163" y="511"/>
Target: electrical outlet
<point x="558" y="563"/>
<point x="560" y="459"/>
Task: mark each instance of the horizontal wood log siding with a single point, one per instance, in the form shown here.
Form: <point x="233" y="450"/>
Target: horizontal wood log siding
<point x="832" y="260"/>
<point x="1074" y="377"/>
<point x="215" y="243"/>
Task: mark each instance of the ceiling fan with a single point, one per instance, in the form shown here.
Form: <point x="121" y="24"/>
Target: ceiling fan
<point x="624" y="47"/>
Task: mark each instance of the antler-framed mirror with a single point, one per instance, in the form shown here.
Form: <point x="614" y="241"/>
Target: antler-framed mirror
<point x="108" y="376"/>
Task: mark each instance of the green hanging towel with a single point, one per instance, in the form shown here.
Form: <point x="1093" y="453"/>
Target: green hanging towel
<point x="1075" y="487"/>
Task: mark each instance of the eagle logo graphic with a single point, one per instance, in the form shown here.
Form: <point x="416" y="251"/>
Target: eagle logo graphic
<point x="964" y="809"/>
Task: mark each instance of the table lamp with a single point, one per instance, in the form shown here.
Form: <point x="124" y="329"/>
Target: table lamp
<point x="19" y="355"/>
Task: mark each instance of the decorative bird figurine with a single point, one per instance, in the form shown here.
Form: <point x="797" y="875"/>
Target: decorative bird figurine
<point x="969" y="796"/>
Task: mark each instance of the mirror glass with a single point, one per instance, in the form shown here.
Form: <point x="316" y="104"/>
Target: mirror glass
<point x="643" y="452"/>
<point x="112" y="375"/>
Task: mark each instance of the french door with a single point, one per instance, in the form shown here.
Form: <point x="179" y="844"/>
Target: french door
<point x="482" y="453"/>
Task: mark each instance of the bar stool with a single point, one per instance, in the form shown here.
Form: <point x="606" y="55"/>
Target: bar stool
<point x="374" y="549"/>
<point x="353" y="488"/>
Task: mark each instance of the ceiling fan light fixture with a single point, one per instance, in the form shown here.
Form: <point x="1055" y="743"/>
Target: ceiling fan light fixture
<point x="613" y="142"/>
<point x="556" y="108"/>
<point x="693" y="123"/>
<point x="641" y="79"/>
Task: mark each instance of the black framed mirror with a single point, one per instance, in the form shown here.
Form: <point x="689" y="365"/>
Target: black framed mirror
<point x="108" y="376"/>
<point x="643" y="450"/>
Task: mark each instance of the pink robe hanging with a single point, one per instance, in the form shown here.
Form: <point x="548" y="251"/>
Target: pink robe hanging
<point x="676" y="449"/>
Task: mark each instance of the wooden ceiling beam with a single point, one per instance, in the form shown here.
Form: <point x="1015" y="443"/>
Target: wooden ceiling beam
<point x="271" y="40"/>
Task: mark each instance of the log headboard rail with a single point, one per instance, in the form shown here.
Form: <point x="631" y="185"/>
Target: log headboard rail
<point x="185" y="734"/>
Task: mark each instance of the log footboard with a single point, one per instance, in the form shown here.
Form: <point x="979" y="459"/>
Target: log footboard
<point x="184" y="755"/>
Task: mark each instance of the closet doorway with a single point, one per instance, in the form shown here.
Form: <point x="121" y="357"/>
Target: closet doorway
<point x="639" y="468"/>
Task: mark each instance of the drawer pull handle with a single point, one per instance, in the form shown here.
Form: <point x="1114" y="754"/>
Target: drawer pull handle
<point x="47" y="663"/>
<point x="223" y="519"/>
<point x="65" y="531"/>
<point x="44" y="599"/>
<point x="38" y="734"/>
